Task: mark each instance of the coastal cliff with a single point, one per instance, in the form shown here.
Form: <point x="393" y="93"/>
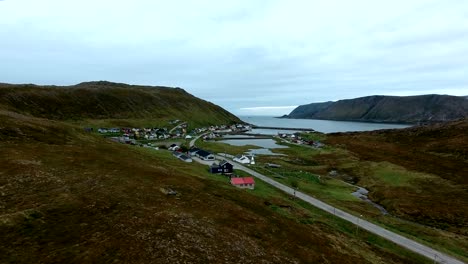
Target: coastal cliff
<point x="389" y="109"/>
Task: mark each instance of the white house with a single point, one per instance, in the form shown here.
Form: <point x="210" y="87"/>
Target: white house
<point x="244" y="159"/>
<point x="174" y="147"/>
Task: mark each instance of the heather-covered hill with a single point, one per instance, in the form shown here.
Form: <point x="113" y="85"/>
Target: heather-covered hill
<point x="433" y="189"/>
<point x="440" y="148"/>
<point x="394" y="109"/>
<point x="69" y="196"/>
<point x="106" y="100"/>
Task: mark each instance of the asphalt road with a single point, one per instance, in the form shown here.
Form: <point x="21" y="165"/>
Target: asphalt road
<point x="414" y="246"/>
<point x="192" y="142"/>
<point x="179" y="125"/>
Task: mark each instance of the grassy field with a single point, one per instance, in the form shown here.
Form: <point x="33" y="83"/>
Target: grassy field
<point x="314" y="136"/>
<point x="219" y="147"/>
<point x="68" y="196"/>
<point x="415" y="200"/>
<point x="310" y="167"/>
<point x="139" y="123"/>
<point x="338" y="193"/>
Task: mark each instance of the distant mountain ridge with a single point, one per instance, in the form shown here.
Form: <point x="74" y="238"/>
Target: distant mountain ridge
<point x="389" y="109"/>
<point x="107" y="100"/>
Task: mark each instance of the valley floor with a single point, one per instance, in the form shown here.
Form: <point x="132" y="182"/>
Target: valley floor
<point x="72" y="196"/>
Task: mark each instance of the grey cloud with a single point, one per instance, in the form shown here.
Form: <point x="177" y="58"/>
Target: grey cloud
<point x="241" y="54"/>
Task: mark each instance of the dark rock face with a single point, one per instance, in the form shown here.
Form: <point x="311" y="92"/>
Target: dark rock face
<point x="396" y="109"/>
<point x="308" y="111"/>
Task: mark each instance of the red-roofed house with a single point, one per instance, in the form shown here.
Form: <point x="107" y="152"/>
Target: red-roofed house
<point x="246" y="182"/>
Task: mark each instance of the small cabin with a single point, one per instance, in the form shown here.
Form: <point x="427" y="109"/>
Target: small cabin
<point x="224" y="168"/>
<point x="185" y="158"/>
<point x="244" y="182"/>
<point x="193" y="151"/>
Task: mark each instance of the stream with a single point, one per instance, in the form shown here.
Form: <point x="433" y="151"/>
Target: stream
<point x="361" y="193"/>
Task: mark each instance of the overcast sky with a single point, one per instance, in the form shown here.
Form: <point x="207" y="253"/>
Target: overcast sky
<point x="250" y="57"/>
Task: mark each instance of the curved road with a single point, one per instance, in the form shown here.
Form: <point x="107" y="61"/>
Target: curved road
<point x="412" y="245"/>
<point x="177" y="126"/>
<point x="192" y="142"/>
<point x="397" y="239"/>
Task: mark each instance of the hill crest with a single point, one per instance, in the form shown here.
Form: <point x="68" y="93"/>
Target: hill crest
<point x="390" y="109"/>
<point x="108" y="100"/>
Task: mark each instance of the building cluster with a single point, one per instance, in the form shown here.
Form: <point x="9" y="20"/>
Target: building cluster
<point x="297" y="139"/>
<point x="224" y="167"/>
<point x="131" y="135"/>
<point x="224" y="128"/>
<point x="213" y="132"/>
<point x="138" y="133"/>
<point x="180" y="131"/>
<point x="193" y="152"/>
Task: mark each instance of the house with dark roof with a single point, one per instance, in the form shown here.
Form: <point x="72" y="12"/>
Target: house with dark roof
<point x="114" y="130"/>
<point x="185" y="158"/>
<point x="173" y="147"/>
<point x="205" y="155"/>
<point x="193" y="151"/>
<point x="182" y="156"/>
<point x="244" y="182"/>
<point x="223" y="167"/>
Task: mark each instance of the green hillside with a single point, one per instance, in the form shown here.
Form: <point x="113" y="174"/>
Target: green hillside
<point x="67" y="195"/>
<point x="74" y="197"/>
<point x="118" y="104"/>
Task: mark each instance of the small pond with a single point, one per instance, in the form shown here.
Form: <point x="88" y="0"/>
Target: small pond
<point x="265" y="144"/>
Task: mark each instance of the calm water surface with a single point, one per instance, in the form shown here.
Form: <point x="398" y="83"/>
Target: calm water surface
<point x="324" y="126"/>
<point x="265" y="144"/>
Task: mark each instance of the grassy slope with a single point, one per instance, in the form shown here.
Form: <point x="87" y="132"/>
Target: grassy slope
<point x="105" y="103"/>
<point x="419" y="174"/>
<point x="424" y="206"/>
<point x="433" y="191"/>
<point x="74" y="197"/>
